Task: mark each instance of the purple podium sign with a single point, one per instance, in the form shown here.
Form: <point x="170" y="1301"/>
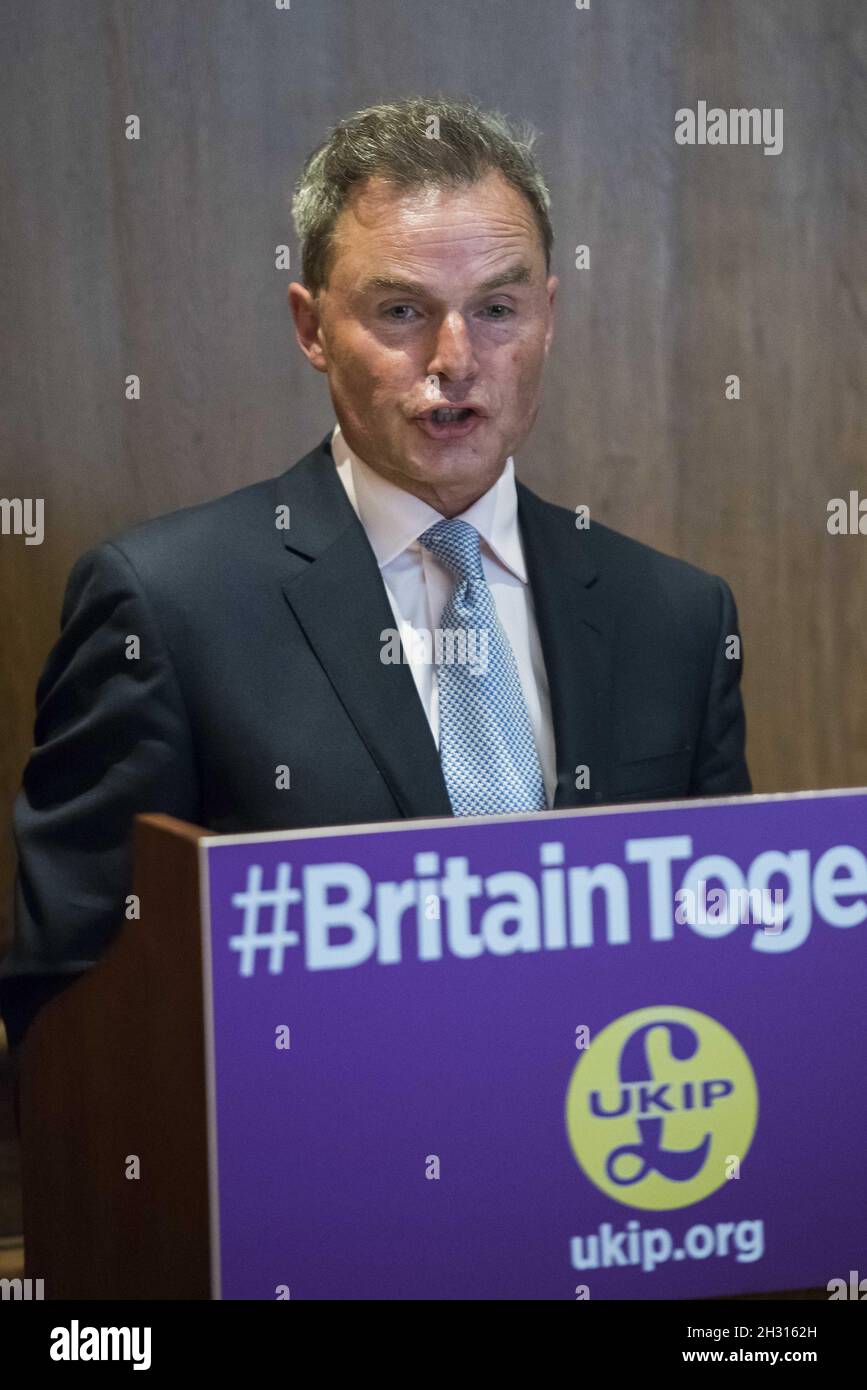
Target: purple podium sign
<point x="614" y="1053"/>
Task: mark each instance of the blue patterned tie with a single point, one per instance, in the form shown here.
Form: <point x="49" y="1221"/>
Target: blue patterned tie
<point x="487" y="751"/>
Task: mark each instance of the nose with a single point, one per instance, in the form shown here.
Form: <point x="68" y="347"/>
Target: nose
<point x="453" y="351"/>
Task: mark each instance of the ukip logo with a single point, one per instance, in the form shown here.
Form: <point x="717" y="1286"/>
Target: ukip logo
<point x="659" y="1105"/>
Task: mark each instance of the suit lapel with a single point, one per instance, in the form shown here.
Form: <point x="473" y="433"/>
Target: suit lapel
<point x="335" y="590"/>
<point x="575" y="636"/>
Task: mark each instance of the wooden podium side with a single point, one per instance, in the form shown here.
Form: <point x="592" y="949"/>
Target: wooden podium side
<point x="114" y="1067"/>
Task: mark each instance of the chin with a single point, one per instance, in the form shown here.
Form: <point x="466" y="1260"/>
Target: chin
<point x="452" y="461"/>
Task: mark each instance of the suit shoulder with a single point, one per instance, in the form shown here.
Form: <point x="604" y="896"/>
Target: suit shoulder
<point x="634" y="561"/>
<point x="239" y="527"/>
<point x="185" y="550"/>
<point x="202" y="524"/>
<point x="633" y="555"/>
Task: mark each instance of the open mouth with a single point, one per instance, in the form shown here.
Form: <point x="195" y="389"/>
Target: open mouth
<point x="449" y="422"/>
<point x="446" y="416"/>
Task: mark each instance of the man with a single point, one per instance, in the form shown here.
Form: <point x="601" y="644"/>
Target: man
<point x="263" y="691"/>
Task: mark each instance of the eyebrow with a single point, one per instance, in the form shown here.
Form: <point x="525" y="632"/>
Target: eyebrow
<point x="517" y="275"/>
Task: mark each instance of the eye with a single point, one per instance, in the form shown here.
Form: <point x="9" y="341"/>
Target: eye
<point x="507" y="310"/>
<point x="401" y="317"/>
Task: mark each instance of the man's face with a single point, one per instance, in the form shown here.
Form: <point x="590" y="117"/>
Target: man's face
<point x="436" y="297"/>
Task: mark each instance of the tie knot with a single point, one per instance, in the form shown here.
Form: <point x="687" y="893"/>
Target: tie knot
<point x="456" y="543"/>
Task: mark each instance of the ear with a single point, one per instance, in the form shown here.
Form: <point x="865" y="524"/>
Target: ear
<point x="552" y="285"/>
<point x="305" y="312"/>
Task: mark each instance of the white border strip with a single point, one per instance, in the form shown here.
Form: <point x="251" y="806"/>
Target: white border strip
<point x="449" y="822"/>
<point x="210" y="1068"/>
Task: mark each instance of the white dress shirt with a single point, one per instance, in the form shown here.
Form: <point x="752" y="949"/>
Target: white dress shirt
<point x="419" y="586"/>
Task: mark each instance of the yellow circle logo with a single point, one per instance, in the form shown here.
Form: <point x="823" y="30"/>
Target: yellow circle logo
<point x="659" y="1105"/>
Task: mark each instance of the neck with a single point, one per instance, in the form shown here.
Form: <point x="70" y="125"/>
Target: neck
<point x="449" y="499"/>
<point x="448" y="502"/>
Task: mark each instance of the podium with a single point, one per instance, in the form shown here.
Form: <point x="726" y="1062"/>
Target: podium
<point x="605" y="1053"/>
<point x="114" y="1066"/>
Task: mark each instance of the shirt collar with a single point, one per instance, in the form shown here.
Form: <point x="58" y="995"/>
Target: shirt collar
<point x="394" y="518"/>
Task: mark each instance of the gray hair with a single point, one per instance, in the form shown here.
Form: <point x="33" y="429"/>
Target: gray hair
<point x="412" y="144"/>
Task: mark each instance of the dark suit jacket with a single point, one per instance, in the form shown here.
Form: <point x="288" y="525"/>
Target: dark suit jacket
<point x="260" y="647"/>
